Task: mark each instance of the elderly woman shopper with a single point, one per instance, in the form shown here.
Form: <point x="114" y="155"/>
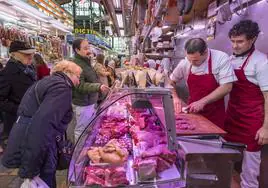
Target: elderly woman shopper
<point x="44" y="113"/>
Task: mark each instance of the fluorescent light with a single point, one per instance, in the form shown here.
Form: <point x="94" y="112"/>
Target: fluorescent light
<point x="169" y="33"/>
<point x="30" y="14"/>
<point x="9" y="16"/>
<point x="122" y="33"/>
<point x="120" y="20"/>
<point x="117" y="4"/>
<point x="45" y="29"/>
<point x="165" y="27"/>
<point x="29" y="23"/>
<point x="60" y="28"/>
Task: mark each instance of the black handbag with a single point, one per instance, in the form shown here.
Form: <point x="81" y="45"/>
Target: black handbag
<point x="64" y="146"/>
<point x="65" y="150"/>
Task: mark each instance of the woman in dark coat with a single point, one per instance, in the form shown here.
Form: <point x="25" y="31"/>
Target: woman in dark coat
<point x="43" y="114"/>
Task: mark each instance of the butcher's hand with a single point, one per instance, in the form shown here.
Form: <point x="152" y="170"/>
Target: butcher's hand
<point x="104" y="88"/>
<point x="196" y="106"/>
<point x="262" y="136"/>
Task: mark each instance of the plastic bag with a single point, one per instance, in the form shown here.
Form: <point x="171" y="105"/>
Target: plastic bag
<point x="36" y="182"/>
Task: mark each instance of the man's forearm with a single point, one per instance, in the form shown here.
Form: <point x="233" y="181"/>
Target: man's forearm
<point x="265" y="123"/>
<point x="218" y="93"/>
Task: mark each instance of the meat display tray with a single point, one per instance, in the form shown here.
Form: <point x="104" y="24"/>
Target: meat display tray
<point x="202" y="126"/>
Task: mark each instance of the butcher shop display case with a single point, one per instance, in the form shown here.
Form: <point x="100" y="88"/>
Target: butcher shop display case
<point x="130" y="141"/>
<point x="136" y="140"/>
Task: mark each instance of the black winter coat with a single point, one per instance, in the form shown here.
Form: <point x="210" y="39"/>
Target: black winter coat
<point x="36" y="151"/>
<point x="15" y="79"/>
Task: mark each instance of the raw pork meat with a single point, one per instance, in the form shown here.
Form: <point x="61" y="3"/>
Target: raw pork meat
<point x="156" y="159"/>
<point x="184" y="124"/>
<point x="146" y="168"/>
<point x="94" y="176"/>
<point x="105" y="176"/>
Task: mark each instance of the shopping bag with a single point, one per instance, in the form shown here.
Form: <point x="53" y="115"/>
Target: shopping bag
<point x="36" y="182"/>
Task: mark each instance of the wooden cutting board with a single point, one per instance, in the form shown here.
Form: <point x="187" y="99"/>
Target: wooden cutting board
<point x="202" y="126"/>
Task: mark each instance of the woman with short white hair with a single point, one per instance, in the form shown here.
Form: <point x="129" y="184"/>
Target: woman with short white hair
<point x="43" y="115"/>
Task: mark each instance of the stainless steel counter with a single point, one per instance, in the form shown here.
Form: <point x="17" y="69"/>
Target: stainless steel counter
<point x="206" y="166"/>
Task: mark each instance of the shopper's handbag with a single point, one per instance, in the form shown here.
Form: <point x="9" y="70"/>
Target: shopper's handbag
<point x="65" y="150"/>
<point x="64" y="146"/>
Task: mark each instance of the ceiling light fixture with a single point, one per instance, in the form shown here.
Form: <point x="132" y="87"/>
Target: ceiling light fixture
<point x="117" y="4"/>
<point x="169" y="33"/>
<point x="119" y="20"/>
<point x="166" y="26"/>
<point x="122" y="33"/>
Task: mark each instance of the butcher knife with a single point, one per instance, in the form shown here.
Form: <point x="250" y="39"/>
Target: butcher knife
<point x="202" y="137"/>
<point x="215" y="143"/>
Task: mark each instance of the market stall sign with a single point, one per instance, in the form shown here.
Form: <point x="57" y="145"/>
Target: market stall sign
<point x="88" y="31"/>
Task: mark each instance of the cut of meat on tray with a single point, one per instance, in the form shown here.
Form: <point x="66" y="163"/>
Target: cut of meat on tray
<point x="94" y="176"/>
<point x="105" y="177"/>
<point x="156" y="151"/>
<point x="125" y="142"/>
<point x="161" y="151"/>
<point x="146" y="168"/>
<point x="153" y="161"/>
<point x="116" y="177"/>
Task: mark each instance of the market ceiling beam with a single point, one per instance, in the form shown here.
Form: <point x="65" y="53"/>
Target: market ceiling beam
<point x="62" y="2"/>
<point x="108" y="4"/>
<point x="133" y="17"/>
<point x="126" y="12"/>
<point x="61" y="16"/>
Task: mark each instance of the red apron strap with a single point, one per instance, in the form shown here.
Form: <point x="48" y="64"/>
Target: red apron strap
<point x="246" y="61"/>
<point x="209" y="64"/>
